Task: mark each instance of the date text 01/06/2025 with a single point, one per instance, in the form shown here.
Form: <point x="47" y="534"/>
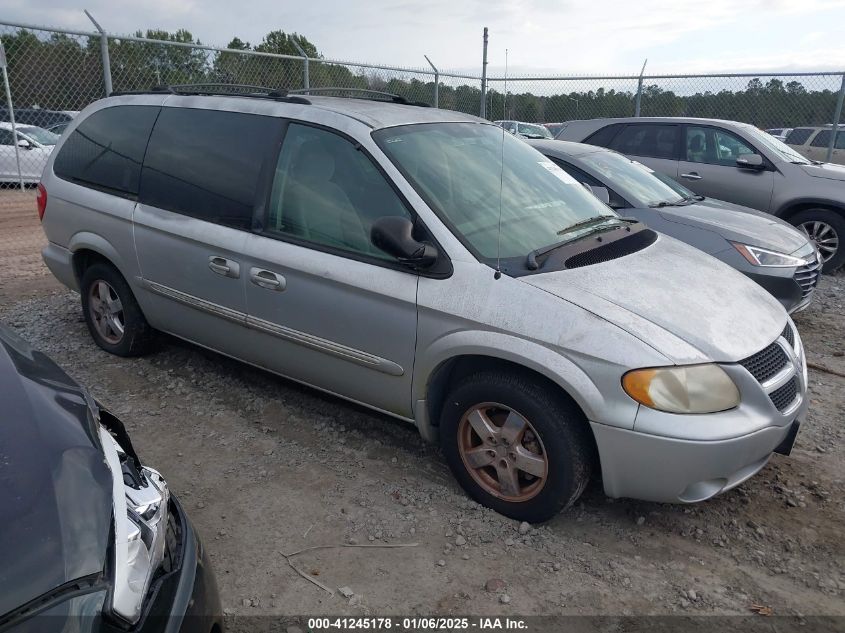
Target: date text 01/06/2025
<point x="416" y="623"/>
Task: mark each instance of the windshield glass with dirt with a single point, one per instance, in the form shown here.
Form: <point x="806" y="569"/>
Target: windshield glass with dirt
<point x="478" y="178"/>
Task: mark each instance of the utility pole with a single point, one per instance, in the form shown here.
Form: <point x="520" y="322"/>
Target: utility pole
<point x="11" y="113"/>
<point x="484" y="79"/>
<point x="837" y="115"/>
<point x="104" y="53"/>
<point x="436" y="82"/>
<point x="640" y="90"/>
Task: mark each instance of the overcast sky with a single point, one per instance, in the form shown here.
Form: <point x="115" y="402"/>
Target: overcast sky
<point x="543" y="36"/>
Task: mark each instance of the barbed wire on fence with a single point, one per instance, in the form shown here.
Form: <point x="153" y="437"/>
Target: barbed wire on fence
<point x="64" y="70"/>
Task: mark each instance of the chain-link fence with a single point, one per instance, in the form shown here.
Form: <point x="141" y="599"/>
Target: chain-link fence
<point x="54" y="73"/>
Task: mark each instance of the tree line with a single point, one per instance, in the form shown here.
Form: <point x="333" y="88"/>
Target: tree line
<point x="64" y="72"/>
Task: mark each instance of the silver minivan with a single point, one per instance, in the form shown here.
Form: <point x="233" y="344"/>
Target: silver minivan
<point x="426" y="264"/>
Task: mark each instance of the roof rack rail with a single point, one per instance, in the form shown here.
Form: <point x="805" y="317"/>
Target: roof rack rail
<point x="361" y="91"/>
<point x="221" y="89"/>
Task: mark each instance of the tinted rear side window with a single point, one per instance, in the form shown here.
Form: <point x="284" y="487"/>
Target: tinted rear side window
<point x="604" y="137"/>
<point x="656" y="141"/>
<point x="798" y="136"/>
<point x="206" y="163"/>
<point x="822" y="139"/>
<point x="106" y="150"/>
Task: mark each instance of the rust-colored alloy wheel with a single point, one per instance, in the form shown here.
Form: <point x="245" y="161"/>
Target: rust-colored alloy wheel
<point x="503" y="452"/>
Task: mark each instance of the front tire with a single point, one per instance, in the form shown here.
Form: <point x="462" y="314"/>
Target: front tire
<point x="515" y="445"/>
<point x="827" y="229"/>
<point x="112" y="314"/>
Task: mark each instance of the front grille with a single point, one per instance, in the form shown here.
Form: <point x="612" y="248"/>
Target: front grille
<point x="635" y="242"/>
<point x="766" y="363"/>
<point x="789" y="335"/>
<point x="808" y="277"/>
<point x="785" y="395"/>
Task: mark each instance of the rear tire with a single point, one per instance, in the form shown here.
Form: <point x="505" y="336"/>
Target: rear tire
<point x="112" y="314"/>
<point x="827" y="228"/>
<point x="515" y="445"/>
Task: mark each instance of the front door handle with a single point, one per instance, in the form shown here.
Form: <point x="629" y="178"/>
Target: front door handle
<point x="225" y="267"/>
<point x="267" y="279"/>
<point x="691" y="176"/>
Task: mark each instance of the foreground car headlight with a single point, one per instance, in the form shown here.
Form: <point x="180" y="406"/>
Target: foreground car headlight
<point x="762" y="257"/>
<point x="141" y="499"/>
<point x="690" y="389"/>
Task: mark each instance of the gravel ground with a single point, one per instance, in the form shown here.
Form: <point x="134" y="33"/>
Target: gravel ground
<point x="266" y="467"/>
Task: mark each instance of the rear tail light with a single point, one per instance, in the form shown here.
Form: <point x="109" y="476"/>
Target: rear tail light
<point x="41" y="200"/>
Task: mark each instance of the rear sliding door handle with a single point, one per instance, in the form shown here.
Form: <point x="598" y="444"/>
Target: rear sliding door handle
<point x="224" y="267"/>
<point x="267" y="279"/>
<point x="691" y="176"/>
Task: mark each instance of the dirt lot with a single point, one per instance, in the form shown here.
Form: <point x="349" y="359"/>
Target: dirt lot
<point x="265" y="466"/>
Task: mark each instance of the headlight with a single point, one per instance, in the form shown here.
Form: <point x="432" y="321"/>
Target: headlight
<point x="690" y="389"/>
<point x="762" y="257"/>
<point x="140" y="500"/>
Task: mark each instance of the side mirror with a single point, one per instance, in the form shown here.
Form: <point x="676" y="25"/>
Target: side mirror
<point x="750" y="161"/>
<point x="24" y="144"/>
<point x="394" y="235"/>
<point x="601" y="193"/>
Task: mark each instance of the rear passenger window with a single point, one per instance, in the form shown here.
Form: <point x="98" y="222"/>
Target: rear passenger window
<point x="798" y="136"/>
<point x="655" y="141"/>
<point x="328" y="192"/>
<point x="206" y="163"/>
<point x="822" y="139"/>
<point x="106" y="150"/>
<point x="604" y="137"/>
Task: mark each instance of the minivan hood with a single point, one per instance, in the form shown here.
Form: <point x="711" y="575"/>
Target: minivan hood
<point x="55" y="487"/>
<point x="830" y="171"/>
<point x="684" y="303"/>
<point x="739" y="224"/>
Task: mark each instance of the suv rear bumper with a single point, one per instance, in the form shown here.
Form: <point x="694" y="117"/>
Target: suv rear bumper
<point x="60" y="262"/>
<point x="674" y="470"/>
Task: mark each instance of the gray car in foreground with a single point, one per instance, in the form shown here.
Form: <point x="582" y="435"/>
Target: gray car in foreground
<point x="736" y="162"/>
<point x="428" y="265"/>
<point x="770" y="251"/>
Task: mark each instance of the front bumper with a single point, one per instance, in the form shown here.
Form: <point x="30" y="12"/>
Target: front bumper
<point x="670" y="470"/>
<point x="783" y="286"/>
<point x="184" y="600"/>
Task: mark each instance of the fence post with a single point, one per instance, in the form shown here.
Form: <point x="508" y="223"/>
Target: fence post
<point x="11" y="112"/>
<point x="836" y="118"/>
<point x="104" y="52"/>
<point x="306" y="80"/>
<point x="483" y="112"/>
<point x="436" y="82"/>
<point x="640" y="90"/>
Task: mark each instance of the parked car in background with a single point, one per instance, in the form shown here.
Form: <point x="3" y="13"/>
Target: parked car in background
<point x="34" y="147"/>
<point x="779" y="132"/>
<point x="735" y="162"/>
<point x="422" y="263"/>
<point x="766" y="249"/>
<point x="553" y="128"/>
<point x="92" y="539"/>
<point x="37" y="116"/>
<point x="525" y="130"/>
<point x="813" y="142"/>
<point x="58" y="128"/>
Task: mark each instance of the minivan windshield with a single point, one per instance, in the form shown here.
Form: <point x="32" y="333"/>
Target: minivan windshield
<point x="633" y="181"/>
<point x="457" y="169"/>
<point x="781" y="149"/>
<point x="533" y="131"/>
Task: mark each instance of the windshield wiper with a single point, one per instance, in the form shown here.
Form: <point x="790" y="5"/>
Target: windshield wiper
<point x="531" y="260"/>
<point x="667" y="203"/>
<point x="580" y="223"/>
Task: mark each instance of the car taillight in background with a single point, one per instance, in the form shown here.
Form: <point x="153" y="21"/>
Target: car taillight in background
<point x="41" y="200"/>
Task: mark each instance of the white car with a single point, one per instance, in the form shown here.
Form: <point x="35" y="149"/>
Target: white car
<point x="34" y="147"/>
